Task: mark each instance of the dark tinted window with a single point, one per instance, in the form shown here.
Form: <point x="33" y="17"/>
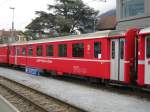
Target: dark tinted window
<point x="30" y="51"/>
<point x="148" y="48"/>
<point x="78" y="50"/>
<point x="39" y="51"/>
<point x="23" y="51"/>
<point x="121" y="49"/>
<point x="62" y="50"/>
<point x="49" y="50"/>
<point x="113" y="50"/>
<point x="97" y="49"/>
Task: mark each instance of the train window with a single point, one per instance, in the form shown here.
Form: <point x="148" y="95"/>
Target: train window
<point x="148" y="48"/>
<point x="97" y="49"/>
<point x="62" y="50"/>
<point x="39" y="50"/>
<point x="17" y="52"/>
<point x="30" y="51"/>
<point x="113" y="50"/>
<point x="78" y="50"/>
<point x="122" y="50"/>
<point x="49" y="50"/>
<point x="23" y="51"/>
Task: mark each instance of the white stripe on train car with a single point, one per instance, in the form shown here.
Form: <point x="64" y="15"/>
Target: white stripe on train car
<point x="93" y="60"/>
<point x="141" y="62"/>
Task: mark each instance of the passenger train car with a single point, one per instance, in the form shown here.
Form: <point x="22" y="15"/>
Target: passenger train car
<point x="117" y="56"/>
<point x="144" y="57"/>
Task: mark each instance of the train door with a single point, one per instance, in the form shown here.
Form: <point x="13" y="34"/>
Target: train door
<point x="147" y="61"/>
<point x="16" y="55"/>
<point x="121" y="59"/>
<point x="117" y="59"/>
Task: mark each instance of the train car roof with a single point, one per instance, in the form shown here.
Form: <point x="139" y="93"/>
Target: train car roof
<point x="99" y="34"/>
<point x="3" y="45"/>
<point x="145" y="30"/>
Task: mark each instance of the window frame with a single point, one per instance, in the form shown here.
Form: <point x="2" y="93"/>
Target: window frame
<point x="41" y="52"/>
<point x="113" y="50"/>
<point x="122" y="49"/>
<point x="29" y="48"/>
<point x="125" y="11"/>
<point x="76" y="54"/>
<point x="99" y="50"/>
<point x="50" y="53"/>
<point x="62" y="53"/>
<point x="147" y="47"/>
<point x="23" y="51"/>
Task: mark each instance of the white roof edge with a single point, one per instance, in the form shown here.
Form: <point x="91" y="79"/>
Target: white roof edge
<point x="3" y="45"/>
<point x="145" y="30"/>
<point x="99" y="34"/>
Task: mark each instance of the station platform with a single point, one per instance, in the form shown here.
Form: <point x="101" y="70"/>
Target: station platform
<point x="87" y="98"/>
<point x="5" y="106"/>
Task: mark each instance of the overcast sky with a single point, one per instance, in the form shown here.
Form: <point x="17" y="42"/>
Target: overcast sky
<point x="25" y="10"/>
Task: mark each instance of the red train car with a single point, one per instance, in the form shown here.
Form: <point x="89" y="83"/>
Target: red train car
<point x="4" y="54"/>
<point x="144" y="57"/>
<point x="106" y="55"/>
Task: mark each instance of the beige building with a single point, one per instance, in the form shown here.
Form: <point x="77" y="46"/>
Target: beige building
<point x="133" y="13"/>
<point x="6" y="36"/>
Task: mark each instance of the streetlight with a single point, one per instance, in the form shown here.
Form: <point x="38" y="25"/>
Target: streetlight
<point x="12" y="32"/>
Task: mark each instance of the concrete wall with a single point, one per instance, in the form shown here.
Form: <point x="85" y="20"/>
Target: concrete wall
<point x="139" y="21"/>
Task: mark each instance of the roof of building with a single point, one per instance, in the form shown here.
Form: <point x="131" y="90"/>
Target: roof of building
<point x="107" y="22"/>
<point x="5" y="34"/>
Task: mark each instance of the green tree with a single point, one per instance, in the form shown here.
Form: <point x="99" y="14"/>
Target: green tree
<point x="64" y="16"/>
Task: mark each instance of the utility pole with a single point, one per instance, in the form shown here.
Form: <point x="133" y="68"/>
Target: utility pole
<point x="12" y="29"/>
<point x="95" y="19"/>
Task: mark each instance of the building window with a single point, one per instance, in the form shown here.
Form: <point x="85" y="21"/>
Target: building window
<point x="39" y="51"/>
<point x="62" y="50"/>
<point x="49" y="50"/>
<point x="97" y="49"/>
<point x="30" y="51"/>
<point x="23" y="51"/>
<point x="78" y="50"/>
<point x="132" y="8"/>
<point x="148" y="47"/>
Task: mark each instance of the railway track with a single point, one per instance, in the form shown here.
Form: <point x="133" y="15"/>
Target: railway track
<point x="134" y="91"/>
<point x="26" y="99"/>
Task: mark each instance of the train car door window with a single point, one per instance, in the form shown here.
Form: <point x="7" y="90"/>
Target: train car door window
<point x="62" y="50"/>
<point x="113" y="50"/>
<point x="121" y="49"/>
<point x="39" y="50"/>
<point x="97" y="49"/>
<point x="148" y="48"/>
<point x="78" y="50"/>
<point x="147" y="60"/>
<point x="30" y="51"/>
<point x="49" y="50"/>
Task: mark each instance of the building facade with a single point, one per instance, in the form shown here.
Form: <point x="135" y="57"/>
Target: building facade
<point x="6" y="37"/>
<point x="133" y="14"/>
